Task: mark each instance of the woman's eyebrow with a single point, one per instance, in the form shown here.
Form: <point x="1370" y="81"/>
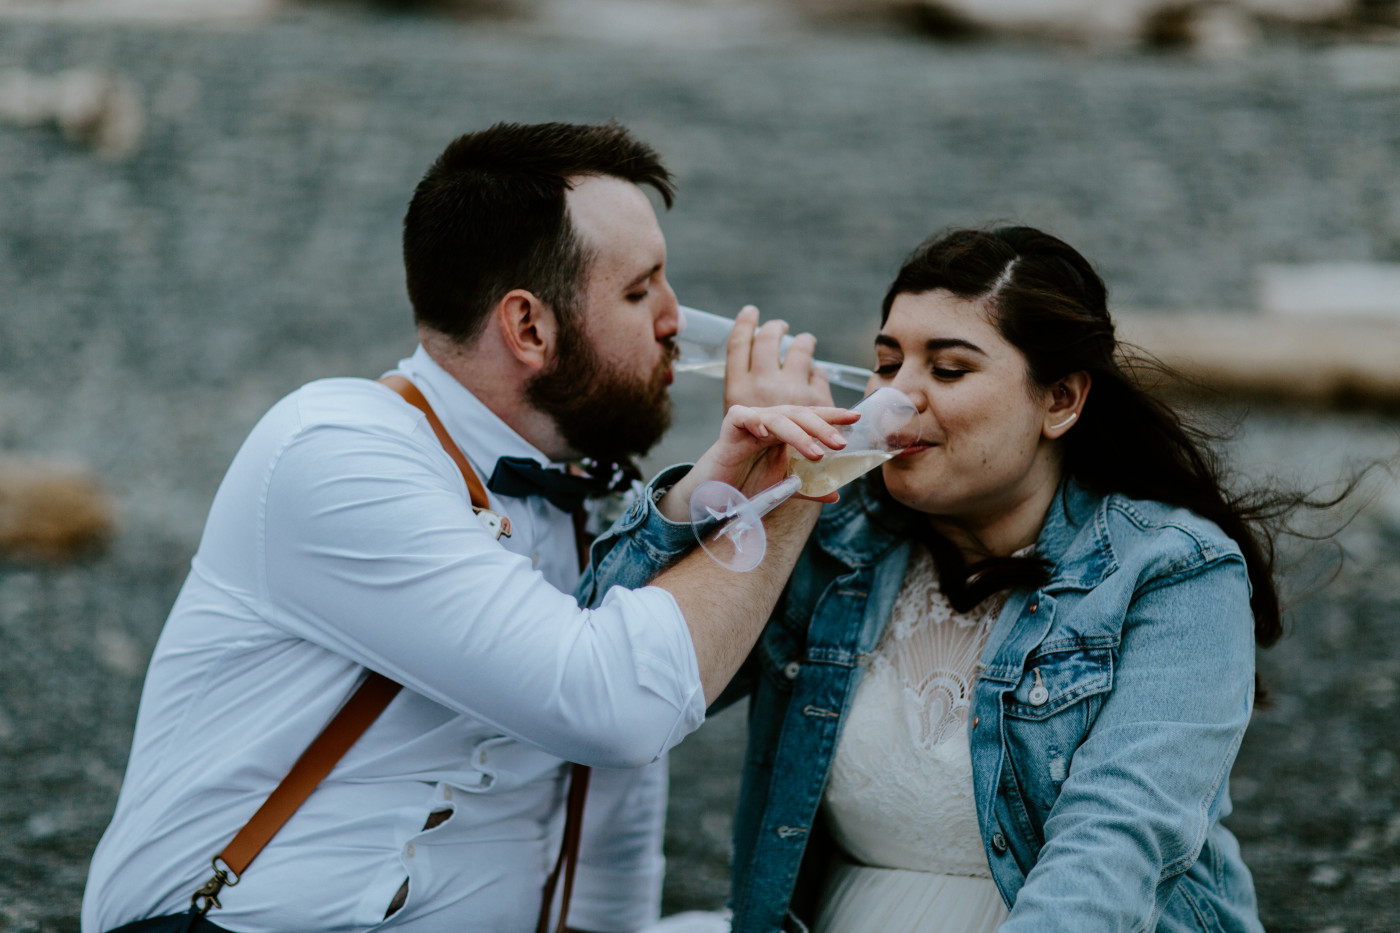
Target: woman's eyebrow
<point x="933" y="345"/>
<point x="952" y="343"/>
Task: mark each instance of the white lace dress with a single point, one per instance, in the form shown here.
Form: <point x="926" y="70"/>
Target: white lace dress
<point x="899" y="798"/>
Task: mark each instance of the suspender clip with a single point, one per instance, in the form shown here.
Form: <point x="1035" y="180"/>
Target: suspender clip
<point x="210" y="892"/>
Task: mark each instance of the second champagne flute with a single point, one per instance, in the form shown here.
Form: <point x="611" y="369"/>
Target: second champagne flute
<point x="703" y="341"/>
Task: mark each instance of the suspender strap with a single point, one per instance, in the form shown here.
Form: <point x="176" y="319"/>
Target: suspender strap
<point x="346" y="727"/>
<point x="363" y="707"/>
<point x="410" y="394"/>
<point x="568" y="852"/>
<point x="578" y="779"/>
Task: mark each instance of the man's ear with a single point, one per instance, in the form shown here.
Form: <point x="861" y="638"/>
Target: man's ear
<point x="1067" y="397"/>
<point x="528" y="327"/>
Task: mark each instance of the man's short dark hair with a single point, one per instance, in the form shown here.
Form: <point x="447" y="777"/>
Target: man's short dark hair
<point x="490" y="216"/>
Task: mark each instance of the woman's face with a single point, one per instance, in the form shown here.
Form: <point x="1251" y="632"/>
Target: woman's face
<point x="982" y="454"/>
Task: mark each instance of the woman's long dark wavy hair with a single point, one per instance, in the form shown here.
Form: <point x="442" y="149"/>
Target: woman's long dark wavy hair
<point x="1048" y="302"/>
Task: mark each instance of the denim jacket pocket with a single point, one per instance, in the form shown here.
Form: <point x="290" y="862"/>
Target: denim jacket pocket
<point x="1046" y="717"/>
<point x="1057" y="677"/>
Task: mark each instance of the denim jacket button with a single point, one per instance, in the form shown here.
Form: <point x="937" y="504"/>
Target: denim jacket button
<point x="791" y="669"/>
<point x="999" y="843"/>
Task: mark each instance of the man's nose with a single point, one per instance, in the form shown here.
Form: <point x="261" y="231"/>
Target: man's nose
<point x="667" y="321"/>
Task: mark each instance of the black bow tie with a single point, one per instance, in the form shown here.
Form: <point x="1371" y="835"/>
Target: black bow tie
<point x="519" y="477"/>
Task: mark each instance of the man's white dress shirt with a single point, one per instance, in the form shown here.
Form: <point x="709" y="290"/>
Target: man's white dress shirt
<point x="342" y="538"/>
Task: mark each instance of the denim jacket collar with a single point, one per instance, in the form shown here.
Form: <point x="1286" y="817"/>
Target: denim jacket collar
<point x="1080" y="561"/>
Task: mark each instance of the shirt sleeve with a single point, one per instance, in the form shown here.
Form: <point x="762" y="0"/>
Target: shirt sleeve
<point x="1146" y="785"/>
<point x="618" y="884"/>
<point x="369" y="547"/>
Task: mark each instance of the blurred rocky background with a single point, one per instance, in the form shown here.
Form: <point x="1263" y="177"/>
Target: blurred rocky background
<point x="199" y="210"/>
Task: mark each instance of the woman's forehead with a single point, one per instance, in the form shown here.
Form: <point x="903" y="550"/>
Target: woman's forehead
<point x="942" y="316"/>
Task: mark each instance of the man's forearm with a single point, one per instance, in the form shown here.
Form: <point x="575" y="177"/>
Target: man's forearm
<point x="725" y="610"/>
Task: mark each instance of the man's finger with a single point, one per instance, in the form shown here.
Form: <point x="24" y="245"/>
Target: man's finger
<point x="738" y="351"/>
<point x="799" y="355"/>
<point x="766" y="342"/>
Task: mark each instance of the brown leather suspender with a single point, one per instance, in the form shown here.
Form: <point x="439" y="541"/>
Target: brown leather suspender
<point x="363" y="707"/>
<point x="346" y="727"/>
<point x="410" y="394"/>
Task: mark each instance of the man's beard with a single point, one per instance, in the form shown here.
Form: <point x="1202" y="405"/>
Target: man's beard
<point x="602" y="412"/>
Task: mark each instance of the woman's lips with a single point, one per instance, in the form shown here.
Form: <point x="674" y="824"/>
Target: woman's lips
<point x="912" y="450"/>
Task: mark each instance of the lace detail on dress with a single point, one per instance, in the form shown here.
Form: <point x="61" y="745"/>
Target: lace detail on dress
<point x="900" y="791"/>
<point x="933" y="650"/>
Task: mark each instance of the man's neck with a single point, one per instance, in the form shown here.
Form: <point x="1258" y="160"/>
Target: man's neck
<point x="498" y="381"/>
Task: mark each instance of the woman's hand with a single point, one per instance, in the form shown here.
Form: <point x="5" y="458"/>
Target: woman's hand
<point x="755" y="375"/>
<point x="752" y="451"/>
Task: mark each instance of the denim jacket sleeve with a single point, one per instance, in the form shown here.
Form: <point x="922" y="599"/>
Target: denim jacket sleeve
<point x="638" y="546"/>
<point x="1149" y="780"/>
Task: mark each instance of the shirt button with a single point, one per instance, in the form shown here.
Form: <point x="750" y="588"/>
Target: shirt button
<point x="999" y="843"/>
<point x="535" y="561"/>
<point x="791" y="669"/>
<point x="446" y="793"/>
<point x="409" y="850"/>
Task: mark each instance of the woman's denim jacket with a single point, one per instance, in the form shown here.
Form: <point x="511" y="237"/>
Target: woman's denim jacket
<point x="1100" y="797"/>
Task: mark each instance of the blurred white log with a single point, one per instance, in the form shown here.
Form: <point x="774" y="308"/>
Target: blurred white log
<point x="90" y="107"/>
<point x="1346" y="289"/>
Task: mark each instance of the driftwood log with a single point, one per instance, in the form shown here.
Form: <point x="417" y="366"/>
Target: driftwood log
<point x="1322" y="361"/>
<point x="51" y="511"/>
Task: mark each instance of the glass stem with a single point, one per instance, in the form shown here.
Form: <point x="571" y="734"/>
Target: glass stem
<point x="774" y="496"/>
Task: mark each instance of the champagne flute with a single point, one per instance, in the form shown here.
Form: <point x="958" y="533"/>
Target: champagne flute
<point x="729" y="525"/>
<point x="703" y="339"/>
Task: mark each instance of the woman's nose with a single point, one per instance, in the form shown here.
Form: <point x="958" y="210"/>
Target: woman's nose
<point x="907" y="382"/>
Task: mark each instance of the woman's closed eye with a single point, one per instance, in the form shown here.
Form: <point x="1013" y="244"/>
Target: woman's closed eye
<point x="947" y="372"/>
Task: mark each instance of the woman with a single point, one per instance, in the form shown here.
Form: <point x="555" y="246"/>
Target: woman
<point x="1009" y="676"/>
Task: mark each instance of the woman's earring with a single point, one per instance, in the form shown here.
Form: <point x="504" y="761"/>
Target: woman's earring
<point x="1070" y="419"/>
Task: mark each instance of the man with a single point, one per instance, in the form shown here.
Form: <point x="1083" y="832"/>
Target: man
<point x="343" y="540"/>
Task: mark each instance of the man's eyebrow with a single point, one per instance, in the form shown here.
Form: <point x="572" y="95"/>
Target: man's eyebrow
<point x="933" y="345"/>
<point x="643" y="277"/>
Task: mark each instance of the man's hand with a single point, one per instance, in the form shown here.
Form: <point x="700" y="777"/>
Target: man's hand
<point x="752" y="451"/>
<point x="754" y="374"/>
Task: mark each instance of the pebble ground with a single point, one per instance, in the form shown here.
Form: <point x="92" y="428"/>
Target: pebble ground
<point x="151" y="308"/>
